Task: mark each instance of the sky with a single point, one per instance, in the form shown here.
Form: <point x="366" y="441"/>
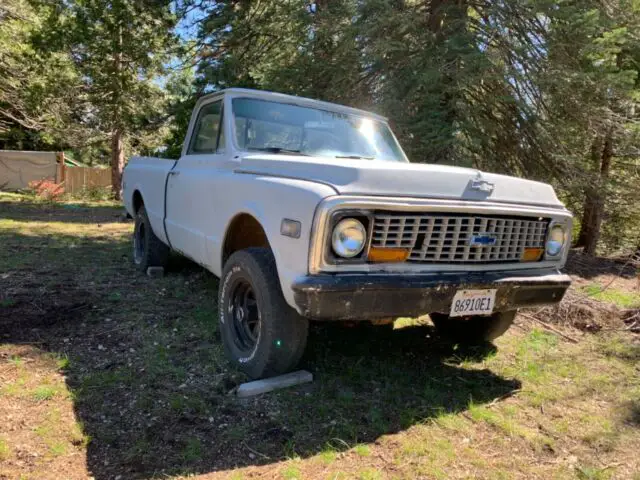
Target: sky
<point x="188" y="28"/>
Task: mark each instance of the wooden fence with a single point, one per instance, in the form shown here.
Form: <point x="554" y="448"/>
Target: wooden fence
<point x="77" y="178"/>
<point x="18" y="168"/>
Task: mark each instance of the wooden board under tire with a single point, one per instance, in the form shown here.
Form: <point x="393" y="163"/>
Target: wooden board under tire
<point x="265" y="385"/>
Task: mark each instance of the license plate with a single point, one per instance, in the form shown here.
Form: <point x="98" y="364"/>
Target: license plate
<point x="473" y="302"/>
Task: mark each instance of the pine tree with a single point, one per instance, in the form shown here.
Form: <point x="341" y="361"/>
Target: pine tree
<point x="592" y="85"/>
<point x="121" y="48"/>
<point x="39" y="87"/>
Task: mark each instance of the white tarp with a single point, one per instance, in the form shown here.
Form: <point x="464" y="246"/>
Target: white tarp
<point x="17" y="169"/>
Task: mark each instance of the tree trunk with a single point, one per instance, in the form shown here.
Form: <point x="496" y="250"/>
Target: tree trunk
<point x="592" y="233"/>
<point x="322" y="49"/>
<point x="589" y="195"/>
<point x="585" y="222"/>
<point x="447" y="19"/>
<point x="595" y="200"/>
<point x="117" y="162"/>
<point x="117" y="144"/>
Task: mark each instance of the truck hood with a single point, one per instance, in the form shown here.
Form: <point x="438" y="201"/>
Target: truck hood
<point x="399" y="179"/>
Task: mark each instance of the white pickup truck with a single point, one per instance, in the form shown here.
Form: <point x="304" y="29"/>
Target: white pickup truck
<point x="308" y="210"/>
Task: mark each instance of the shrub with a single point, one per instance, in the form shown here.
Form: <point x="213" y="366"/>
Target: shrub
<point x="47" y="189"/>
<point x="92" y="193"/>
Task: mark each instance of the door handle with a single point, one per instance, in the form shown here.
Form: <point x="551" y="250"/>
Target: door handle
<point x="173" y="172"/>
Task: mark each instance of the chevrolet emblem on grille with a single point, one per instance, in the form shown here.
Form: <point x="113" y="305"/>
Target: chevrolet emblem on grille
<point x="482" y="185"/>
<point x="482" y="240"/>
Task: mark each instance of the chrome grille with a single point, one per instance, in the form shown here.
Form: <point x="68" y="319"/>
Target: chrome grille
<point x="446" y="238"/>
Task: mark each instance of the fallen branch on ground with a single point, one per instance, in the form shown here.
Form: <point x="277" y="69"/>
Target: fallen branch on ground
<point x="503" y="397"/>
<point x="631" y="319"/>
<point x="255" y="452"/>
<point x="579" y="311"/>
<point x="549" y="327"/>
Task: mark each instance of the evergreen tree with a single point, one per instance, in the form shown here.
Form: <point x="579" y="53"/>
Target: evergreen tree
<point x="39" y="88"/>
<point x="592" y="88"/>
<point x="121" y="48"/>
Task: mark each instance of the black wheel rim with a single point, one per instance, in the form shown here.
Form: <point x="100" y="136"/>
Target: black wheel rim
<point x="138" y="243"/>
<point x="244" y="315"/>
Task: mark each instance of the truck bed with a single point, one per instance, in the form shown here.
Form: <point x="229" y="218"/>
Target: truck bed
<point x="148" y="175"/>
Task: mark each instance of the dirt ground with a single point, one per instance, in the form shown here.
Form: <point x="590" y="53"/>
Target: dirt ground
<point x="109" y="374"/>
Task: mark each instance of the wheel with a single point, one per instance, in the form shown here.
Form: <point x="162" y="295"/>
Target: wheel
<point x="473" y="330"/>
<point x="262" y="335"/>
<point x="148" y="250"/>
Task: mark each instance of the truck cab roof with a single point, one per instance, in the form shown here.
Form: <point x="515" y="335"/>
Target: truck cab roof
<point x="291" y="99"/>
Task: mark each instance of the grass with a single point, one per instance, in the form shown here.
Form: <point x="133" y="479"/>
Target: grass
<point x="43" y="393"/>
<point x="57" y="449"/>
<point x="362" y="450"/>
<point x="16" y="360"/>
<point x="369" y="474"/>
<point x="108" y="373"/>
<point x="5" y="451"/>
<point x="328" y="455"/>
<point x="621" y="298"/>
<point x="584" y="472"/>
<point x="63" y="362"/>
<point x="192" y="450"/>
<point x="291" y="473"/>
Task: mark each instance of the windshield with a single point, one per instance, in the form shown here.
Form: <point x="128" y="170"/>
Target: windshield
<point x="285" y="128"/>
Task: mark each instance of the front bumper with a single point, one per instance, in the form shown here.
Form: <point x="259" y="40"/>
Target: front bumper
<point x="364" y="297"/>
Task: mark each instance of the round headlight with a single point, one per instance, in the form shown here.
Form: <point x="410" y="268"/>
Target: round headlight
<point x="348" y="238"/>
<point x="555" y="240"/>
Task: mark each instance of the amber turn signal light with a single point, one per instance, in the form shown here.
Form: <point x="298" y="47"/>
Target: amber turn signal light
<point x="388" y="255"/>
<point x="532" y="254"/>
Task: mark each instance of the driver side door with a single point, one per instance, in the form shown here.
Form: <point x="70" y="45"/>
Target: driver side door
<point x="189" y="184"/>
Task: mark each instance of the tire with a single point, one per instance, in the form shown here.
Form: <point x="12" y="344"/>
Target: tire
<point x="473" y="330"/>
<point x="262" y="335"/>
<point x="148" y="250"/>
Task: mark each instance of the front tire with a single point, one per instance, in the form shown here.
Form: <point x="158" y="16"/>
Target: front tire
<point x="262" y="335"/>
<point x="473" y="330"/>
<point x="148" y="249"/>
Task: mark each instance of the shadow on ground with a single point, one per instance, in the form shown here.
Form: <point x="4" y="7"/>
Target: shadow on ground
<point x="151" y="385"/>
<point x="589" y="267"/>
<point x="68" y="212"/>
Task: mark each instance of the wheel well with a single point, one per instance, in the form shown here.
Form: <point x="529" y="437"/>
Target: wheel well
<point x="243" y="232"/>
<point x="137" y="201"/>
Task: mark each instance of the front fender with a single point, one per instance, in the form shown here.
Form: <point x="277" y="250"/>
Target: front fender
<point x="269" y="200"/>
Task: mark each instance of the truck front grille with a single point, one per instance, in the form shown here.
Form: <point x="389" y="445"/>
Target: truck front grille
<point x="458" y="238"/>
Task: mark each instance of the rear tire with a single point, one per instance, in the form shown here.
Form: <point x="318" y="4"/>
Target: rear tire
<point x="148" y="249"/>
<point x="473" y="330"/>
<point x="262" y="335"/>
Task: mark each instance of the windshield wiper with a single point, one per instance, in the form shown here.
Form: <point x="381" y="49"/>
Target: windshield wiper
<point x="355" y="157"/>
<point x="279" y="150"/>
